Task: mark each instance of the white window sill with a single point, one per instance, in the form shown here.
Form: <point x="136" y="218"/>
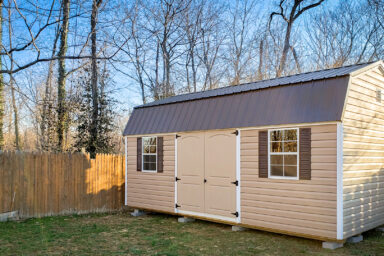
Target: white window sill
<point x="283" y="178"/>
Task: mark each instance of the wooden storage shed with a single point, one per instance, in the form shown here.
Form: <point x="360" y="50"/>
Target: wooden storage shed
<point x="300" y="155"/>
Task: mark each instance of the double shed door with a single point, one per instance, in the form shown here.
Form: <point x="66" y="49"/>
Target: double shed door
<point x="206" y="169"/>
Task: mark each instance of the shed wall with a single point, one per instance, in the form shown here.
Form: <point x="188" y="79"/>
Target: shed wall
<point x="363" y="158"/>
<point x="297" y="206"/>
<point x="152" y="190"/>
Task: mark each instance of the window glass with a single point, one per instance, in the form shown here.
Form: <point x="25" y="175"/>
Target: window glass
<point x="276" y="147"/>
<point x="149" y="154"/>
<point x="276" y="136"/>
<point x="283" y="153"/>
<point x="277" y="170"/>
<point x="290" y="146"/>
<point x="276" y="159"/>
<point x="290" y="171"/>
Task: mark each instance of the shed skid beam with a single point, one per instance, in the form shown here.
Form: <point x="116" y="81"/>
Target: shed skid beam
<point x="332" y="245"/>
<point x="138" y="213"/>
<point x="185" y="219"/>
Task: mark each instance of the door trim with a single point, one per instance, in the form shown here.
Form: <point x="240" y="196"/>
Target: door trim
<point x="238" y="192"/>
<point x="176" y="210"/>
<point x="207" y="215"/>
<point x="238" y="205"/>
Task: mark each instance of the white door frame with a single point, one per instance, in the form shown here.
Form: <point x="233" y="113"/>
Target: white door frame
<point x="238" y="161"/>
<point x="176" y="210"/>
<point x="212" y="216"/>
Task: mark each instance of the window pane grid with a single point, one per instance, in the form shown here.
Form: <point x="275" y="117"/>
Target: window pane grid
<point x="283" y="153"/>
<point x="149" y="154"/>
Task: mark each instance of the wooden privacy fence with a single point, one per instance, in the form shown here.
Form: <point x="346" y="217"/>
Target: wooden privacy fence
<point x="44" y="184"/>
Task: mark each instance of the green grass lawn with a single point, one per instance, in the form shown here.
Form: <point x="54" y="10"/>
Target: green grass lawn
<point x="156" y="234"/>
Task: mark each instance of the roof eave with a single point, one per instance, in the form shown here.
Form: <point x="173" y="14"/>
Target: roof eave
<point x="379" y="63"/>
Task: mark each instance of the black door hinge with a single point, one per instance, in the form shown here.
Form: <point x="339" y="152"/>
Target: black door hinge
<point x="177" y="136"/>
<point x="177" y="206"/>
<point x="205" y="180"/>
<point x="236" y="132"/>
<point x="236" y="214"/>
<point x="177" y="179"/>
<point x="235" y="182"/>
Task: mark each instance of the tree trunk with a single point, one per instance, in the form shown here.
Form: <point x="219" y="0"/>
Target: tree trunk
<point x="261" y="53"/>
<point x="95" y="94"/>
<point x="62" y="111"/>
<point x="283" y="58"/>
<point x="1" y="81"/>
<point x="156" y="89"/>
<point x="47" y="117"/>
<point x="193" y="70"/>
<point x="296" y="59"/>
<point x="15" y="116"/>
<point x="11" y="83"/>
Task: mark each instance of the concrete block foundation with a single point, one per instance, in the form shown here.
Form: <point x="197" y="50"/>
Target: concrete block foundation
<point x="138" y="213"/>
<point x="332" y="245"/>
<point x="238" y="228"/>
<point x="9" y="216"/>
<point x="185" y="219"/>
<point x="355" y="239"/>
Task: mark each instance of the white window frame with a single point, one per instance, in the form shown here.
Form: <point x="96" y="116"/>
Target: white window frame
<point x="147" y="154"/>
<point x="283" y="153"/>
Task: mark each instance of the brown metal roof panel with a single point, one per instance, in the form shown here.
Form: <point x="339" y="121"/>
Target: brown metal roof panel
<point x="186" y="111"/>
<point x="207" y="112"/>
<point x="315" y="101"/>
<point x="235" y="106"/>
<point x="164" y="122"/>
<point x="169" y="121"/>
<point x="288" y="80"/>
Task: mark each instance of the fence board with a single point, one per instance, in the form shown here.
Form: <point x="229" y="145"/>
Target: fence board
<point x="45" y="184"/>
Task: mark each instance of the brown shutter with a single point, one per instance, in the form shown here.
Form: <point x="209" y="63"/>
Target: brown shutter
<point x="160" y="154"/>
<point x="263" y="154"/>
<point x="139" y="154"/>
<point x="305" y="154"/>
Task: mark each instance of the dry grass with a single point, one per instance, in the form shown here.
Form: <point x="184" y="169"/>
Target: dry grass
<point x="121" y="234"/>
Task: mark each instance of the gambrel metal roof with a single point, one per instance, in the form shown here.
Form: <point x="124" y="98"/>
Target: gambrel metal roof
<point x="287" y="80"/>
<point x="304" y="98"/>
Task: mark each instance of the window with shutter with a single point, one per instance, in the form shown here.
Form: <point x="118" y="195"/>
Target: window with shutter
<point x="283" y="153"/>
<point x="150" y="156"/>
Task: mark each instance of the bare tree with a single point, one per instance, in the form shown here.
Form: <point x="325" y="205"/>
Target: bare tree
<point x="192" y="27"/>
<point x="336" y="40"/>
<point x="241" y="38"/>
<point x="11" y="82"/>
<point x="289" y="14"/>
<point x="94" y="70"/>
<point x="62" y="113"/>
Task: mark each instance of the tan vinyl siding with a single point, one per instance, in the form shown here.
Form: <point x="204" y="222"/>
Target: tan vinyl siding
<point x="363" y="154"/>
<point x="301" y="206"/>
<point x="152" y="190"/>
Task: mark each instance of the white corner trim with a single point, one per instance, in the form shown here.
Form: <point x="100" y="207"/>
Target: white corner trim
<point x="339" y="195"/>
<point x="176" y="210"/>
<point x="126" y="171"/>
<point x="238" y="206"/>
